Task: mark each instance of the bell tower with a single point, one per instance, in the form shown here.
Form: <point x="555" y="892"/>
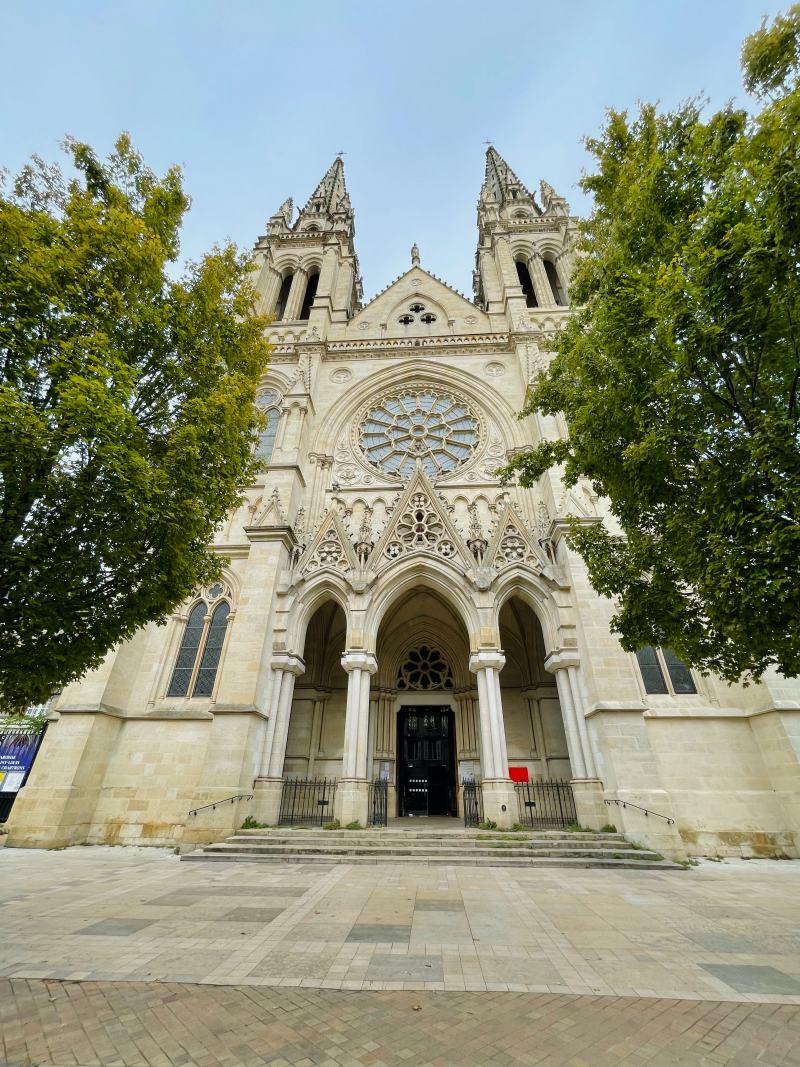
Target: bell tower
<point x="308" y="265"/>
<point x="524" y="246"/>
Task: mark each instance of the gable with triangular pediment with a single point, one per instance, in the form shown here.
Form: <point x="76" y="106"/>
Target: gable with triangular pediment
<point x="420" y="522"/>
<point x="512" y="543"/>
<point x="452" y="312"/>
<point x="329" y="547"/>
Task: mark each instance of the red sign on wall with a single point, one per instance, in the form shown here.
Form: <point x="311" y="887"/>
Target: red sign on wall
<point x="518" y="774"/>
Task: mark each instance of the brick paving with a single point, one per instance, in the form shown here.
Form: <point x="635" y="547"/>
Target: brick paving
<point x="135" y="1024"/>
<point x="128" y="958"/>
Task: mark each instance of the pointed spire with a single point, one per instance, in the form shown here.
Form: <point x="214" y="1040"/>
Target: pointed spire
<point x="500" y="182"/>
<point x="281" y="220"/>
<point x="330" y="196"/>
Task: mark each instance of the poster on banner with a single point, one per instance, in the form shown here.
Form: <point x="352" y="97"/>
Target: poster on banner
<point x="17" y="751"/>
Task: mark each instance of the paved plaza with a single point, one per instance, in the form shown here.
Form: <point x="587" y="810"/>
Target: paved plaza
<point x="129" y="957"/>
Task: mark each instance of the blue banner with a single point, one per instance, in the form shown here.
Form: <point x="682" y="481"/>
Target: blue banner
<point x="17" y="751"/>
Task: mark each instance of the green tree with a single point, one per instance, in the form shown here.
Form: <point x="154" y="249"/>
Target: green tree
<point x="679" y="373"/>
<point x="126" y="411"/>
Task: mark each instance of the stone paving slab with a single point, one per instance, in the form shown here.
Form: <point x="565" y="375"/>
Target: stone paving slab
<point x="723" y="932"/>
<point x="135" y="1024"/>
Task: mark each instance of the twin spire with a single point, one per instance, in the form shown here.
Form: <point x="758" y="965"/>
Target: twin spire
<point x="330" y="199"/>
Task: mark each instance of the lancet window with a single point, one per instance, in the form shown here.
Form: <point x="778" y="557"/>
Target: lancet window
<point x="663" y="672"/>
<point x="201" y="646"/>
<point x="283" y="296"/>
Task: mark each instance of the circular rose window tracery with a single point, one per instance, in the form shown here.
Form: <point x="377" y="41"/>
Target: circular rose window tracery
<point x="425" y="668"/>
<point x="436" y="428"/>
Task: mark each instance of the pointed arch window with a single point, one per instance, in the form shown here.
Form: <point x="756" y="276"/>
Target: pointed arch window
<point x="199" y="655"/>
<point x="557" y="288"/>
<point x="662" y="672"/>
<point x="283" y="296"/>
<point x="523" y="274"/>
<point x="308" y="299"/>
<point x="266" y="439"/>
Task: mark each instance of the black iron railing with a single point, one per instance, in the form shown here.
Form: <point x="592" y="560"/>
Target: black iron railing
<point x="546" y="805"/>
<point x="218" y="803"/>
<point x="472" y="799"/>
<point x="307" y="801"/>
<point x="378" y="802"/>
<point x="647" y="811"/>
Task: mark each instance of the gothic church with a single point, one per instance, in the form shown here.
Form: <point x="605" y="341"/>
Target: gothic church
<point x="390" y="612"/>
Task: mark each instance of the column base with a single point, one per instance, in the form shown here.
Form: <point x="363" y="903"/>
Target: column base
<point x="266" y="803"/>
<point x="499" y="802"/>
<point x="352" y="800"/>
<point x="590" y="810"/>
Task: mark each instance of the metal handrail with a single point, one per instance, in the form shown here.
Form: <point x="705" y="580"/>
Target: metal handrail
<point x="217" y="803"/>
<point x="647" y="811"/>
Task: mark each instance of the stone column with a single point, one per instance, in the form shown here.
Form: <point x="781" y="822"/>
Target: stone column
<point x="352" y="792"/>
<point x="499" y="798"/>
<point x="268" y="287"/>
<point x="541" y="283"/>
<point x="296" y="294"/>
<point x="587" y="788"/>
<point x="343" y="287"/>
<point x="269" y="784"/>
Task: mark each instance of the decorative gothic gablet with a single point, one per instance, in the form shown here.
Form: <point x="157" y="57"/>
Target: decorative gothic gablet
<point x="390" y="609"/>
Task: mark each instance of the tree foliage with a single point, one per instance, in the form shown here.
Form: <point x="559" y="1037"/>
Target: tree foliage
<point x="679" y="373"/>
<point x="126" y="411"/>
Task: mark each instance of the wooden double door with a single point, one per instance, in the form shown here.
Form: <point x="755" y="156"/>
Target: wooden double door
<point x="426" y="761"/>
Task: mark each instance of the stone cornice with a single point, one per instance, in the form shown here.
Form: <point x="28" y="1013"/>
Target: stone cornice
<point x="284" y="534"/>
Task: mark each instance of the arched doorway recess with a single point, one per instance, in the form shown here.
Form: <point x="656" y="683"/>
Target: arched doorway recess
<point x="535" y="733"/>
<point x="423" y="708"/>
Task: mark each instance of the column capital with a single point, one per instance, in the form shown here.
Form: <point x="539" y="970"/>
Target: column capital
<point x="561" y="659"/>
<point x="287" y="661"/>
<point x="359" y="661"/>
<point x="486" y="657"/>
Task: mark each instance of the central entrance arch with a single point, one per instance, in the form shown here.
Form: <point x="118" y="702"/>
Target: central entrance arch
<point x="423" y="721"/>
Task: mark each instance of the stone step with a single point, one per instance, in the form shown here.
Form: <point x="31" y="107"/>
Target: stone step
<point x="404" y="846"/>
<point x="436" y="861"/>
<point x="622" y="851"/>
<point x="301" y="837"/>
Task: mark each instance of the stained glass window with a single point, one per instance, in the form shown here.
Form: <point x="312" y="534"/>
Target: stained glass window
<point x="204" y="683"/>
<point x="652" y="662"/>
<point x="203" y="643"/>
<point x="429" y="426"/>
<point x="184" y="665"/>
<point x="266" y="439"/>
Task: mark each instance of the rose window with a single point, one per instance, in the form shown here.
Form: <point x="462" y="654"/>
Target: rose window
<point x="435" y="428"/>
<point x="425" y="668"/>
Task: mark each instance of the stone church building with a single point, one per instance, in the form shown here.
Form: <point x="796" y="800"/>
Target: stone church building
<point x="390" y="611"/>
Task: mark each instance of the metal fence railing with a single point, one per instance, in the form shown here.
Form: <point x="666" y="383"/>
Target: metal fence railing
<point x="472" y="799"/>
<point x="307" y="801"/>
<point x="546" y="804"/>
<point x="378" y="802"/>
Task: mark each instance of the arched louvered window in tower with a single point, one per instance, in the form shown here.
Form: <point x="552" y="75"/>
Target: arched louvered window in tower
<point x="266" y="439"/>
<point x="527" y="285"/>
<point x="283" y="296"/>
<point x="308" y="299"/>
<point x="555" y="282"/>
<point x="187" y="655"/>
<point x="207" y="671"/>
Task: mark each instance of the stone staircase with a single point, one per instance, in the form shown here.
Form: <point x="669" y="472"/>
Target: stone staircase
<point x="475" y="848"/>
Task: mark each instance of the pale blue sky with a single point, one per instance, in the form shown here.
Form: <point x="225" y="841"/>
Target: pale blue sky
<point x="254" y="99"/>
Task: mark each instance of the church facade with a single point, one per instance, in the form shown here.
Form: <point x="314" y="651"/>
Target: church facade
<point x="388" y="604"/>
